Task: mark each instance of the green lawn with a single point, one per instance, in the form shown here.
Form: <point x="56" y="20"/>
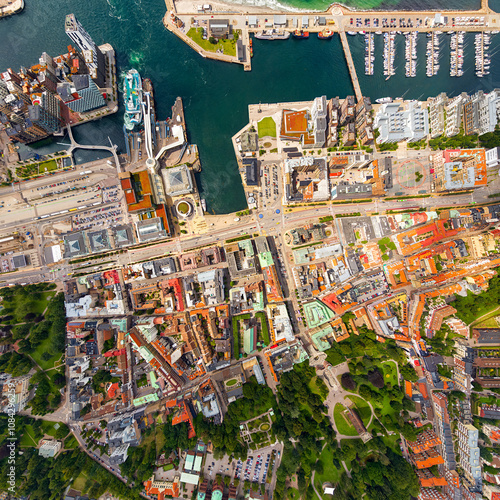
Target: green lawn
<point x="343" y="426"/>
<point x="79" y="482"/>
<point x="229" y="46"/>
<point x="334" y="356"/>
<point x="391" y="441"/>
<point x="264" y="328"/>
<point x="293" y="494"/>
<point x="22" y="306"/>
<point x="27" y="440"/>
<point x="330" y="473"/>
<point x="47" y="166"/>
<point x="362" y="408"/>
<point x="318" y="387"/>
<point x="266" y="127"/>
<point x="489" y="323"/>
<point x="254" y="424"/>
<point x="390" y="373"/>
<point x="48" y="427"/>
<point x="70" y="443"/>
<point x="44" y="347"/>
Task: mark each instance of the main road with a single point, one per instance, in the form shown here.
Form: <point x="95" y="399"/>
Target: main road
<point x="271" y="223"/>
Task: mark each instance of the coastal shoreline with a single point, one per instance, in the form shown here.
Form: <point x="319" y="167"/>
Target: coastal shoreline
<point x="11" y="7"/>
<point x="220" y="7"/>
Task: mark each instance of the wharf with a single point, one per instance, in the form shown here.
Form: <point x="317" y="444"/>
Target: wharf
<point x="183" y="15"/>
<point x="10" y="7"/>
<point x="177" y="26"/>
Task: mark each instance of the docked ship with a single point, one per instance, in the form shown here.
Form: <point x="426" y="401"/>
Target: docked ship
<point x="325" y="35"/>
<point x="272" y="35"/>
<point x="300" y="34"/>
<point x="132" y="95"/>
<point x="383" y="100"/>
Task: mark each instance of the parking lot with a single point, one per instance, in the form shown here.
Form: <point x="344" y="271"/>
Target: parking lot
<point x="270" y="188"/>
<point x="98" y="218"/>
<point x="258" y="468"/>
<point x="413" y="22"/>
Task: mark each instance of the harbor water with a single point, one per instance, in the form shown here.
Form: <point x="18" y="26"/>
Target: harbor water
<point x="216" y="94"/>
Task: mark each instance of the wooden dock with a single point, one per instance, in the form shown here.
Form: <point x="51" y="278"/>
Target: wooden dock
<point x="350" y="65"/>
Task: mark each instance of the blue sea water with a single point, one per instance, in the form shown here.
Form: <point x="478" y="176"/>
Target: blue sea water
<point x="216" y="94"/>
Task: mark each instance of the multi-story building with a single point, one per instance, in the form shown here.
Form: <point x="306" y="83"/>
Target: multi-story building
<point x="440" y="405"/>
<point x="305" y="180"/>
<point x="397" y="123"/>
<point x="25" y="133"/>
<point x="468" y="117"/>
<point x="425" y="441"/>
<point x="469" y="457"/>
<point x="349" y="134"/>
<point x="162" y="488"/>
<point x="333" y="122"/>
<point x="459" y="169"/>
<point x="319" y="121"/>
<point x="493" y="432"/>
<point x="94" y="58"/>
<point x="486" y="110"/>
<point x="463" y="369"/>
<point x="453" y="110"/>
<point x="45" y="111"/>
<point x="493" y="157"/>
<point x="436" y="115"/>
<point x="49" y="448"/>
<point x="14" y="392"/>
<point x="347" y="110"/>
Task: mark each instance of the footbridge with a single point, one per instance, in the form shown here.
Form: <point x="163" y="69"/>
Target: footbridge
<point x="111" y="149"/>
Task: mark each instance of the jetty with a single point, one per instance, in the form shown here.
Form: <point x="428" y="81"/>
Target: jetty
<point x="432" y="64"/>
<point x="482" y="57"/>
<point x="369" y="53"/>
<point x="389" y="53"/>
<point x="350" y="65"/>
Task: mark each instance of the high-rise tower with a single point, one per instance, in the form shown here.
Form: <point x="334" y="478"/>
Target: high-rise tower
<point x="94" y="58"/>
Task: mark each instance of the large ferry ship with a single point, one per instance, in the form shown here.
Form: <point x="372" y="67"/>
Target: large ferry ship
<point x="132" y="95"/>
<point x="272" y="35"/>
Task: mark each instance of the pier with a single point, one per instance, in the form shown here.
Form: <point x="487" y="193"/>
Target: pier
<point x="432" y="64"/>
<point x="389" y="52"/>
<point x="369" y="50"/>
<point x="457" y="53"/>
<point x="411" y="54"/>
<point x="350" y="65"/>
<point x="482" y="57"/>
